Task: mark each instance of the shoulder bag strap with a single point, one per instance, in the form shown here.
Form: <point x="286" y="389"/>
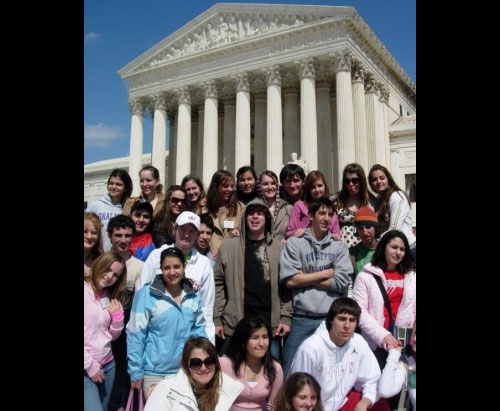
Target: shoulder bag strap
<point x="386" y="301"/>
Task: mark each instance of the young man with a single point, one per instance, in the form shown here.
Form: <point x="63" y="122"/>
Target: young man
<point x="247" y="279"/>
<point x="366" y="223"/>
<point x="142" y="243"/>
<point x="198" y="267"/>
<point x="339" y="359"/>
<point x="292" y="178"/>
<point x="317" y="270"/>
<point x="206" y="232"/>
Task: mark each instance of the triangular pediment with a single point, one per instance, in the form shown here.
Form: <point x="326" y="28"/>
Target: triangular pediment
<point x="226" y="25"/>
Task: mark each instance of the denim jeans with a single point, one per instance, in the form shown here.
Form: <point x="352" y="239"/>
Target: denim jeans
<point x="96" y="396"/>
<point x="301" y="328"/>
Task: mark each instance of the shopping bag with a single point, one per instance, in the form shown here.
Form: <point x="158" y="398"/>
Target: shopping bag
<point x="130" y="401"/>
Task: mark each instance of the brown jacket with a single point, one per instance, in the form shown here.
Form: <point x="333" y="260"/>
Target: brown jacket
<point x="220" y="233"/>
<point x="229" y="279"/>
<point x="127" y="207"/>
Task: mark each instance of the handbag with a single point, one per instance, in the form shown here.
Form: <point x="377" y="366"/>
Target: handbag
<point x="130" y="401"/>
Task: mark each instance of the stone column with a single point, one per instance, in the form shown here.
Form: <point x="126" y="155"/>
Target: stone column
<point x="228" y="159"/>
<point x="171" y="149"/>
<point x="210" y="135"/>
<point x="242" y="143"/>
<point x="358" y="94"/>
<point x="291" y="125"/>
<point x="183" y="152"/>
<point x="274" y="141"/>
<point x="201" y="122"/>
<point x="335" y="146"/>
<point x="324" y="124"/>
<point x="260" y="130"/>
<point x="308" y="121"/>
<point x="159" y="148"/>
<point x="372" y="118"/>
<point x="194" y="144"/>
<point x="384" y="100"/>
<point x="220" y="138"/>
<point x="380" y="146"/>
<point x="136" y="140"/>
<point x="345" y="111"/>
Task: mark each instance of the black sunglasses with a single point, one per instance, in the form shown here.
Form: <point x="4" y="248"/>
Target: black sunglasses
<point x="196" y="363"/>
<point x="177" y="200"/>
<point x="354" y="180"/>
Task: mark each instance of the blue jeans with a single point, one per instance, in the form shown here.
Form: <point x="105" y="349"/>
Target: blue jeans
<point x="96" y="396"/>
<point x="301" y="328"/>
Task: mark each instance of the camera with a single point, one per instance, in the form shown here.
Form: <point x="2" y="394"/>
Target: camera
<point x="403" y="335"/>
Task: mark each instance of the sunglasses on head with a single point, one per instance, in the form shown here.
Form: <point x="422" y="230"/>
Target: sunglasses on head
<point x="354" y="180"/>
<point x="196" y="363"/>
<point x="177" y="200"/>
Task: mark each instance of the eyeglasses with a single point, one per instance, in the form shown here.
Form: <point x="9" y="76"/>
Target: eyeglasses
<point x="196" y="363"/>
<point x="176" y="200"/>
<point x="354" y="180"/>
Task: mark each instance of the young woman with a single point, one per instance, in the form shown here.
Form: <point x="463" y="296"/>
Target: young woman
<point x="224" y="209"/>
<point x="353" y="195"/>
<point x="142" y="244"/>
<point x="92" y="240"/>
<point x="246" y="189"/>
<point x="165" y="313"/>
<point x="103" y="291"/>
<point x="200" y="384"/>
<point x="393" y="209"/>
<point x="164" y="221"/>
<point x="268" y="189"/>
<point x="393" y="265"/>
<point x="149" y="179"/>
<point x="196" y="196"/>
<point x="398" y="374"/>
<point x="248" y="360"/>
<point x="111" y="205"/>
<point x="315" y="187"/>
<point x="301" y="392"/>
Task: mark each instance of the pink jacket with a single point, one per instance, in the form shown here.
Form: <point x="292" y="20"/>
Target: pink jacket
<point x="368" y="296"/>
<point x="98" y="331"/>
<point x="299" y="218"/>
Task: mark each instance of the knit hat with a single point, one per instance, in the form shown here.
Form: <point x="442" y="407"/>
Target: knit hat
<point x="366" y="216"/>
<point x="187" y="217"/>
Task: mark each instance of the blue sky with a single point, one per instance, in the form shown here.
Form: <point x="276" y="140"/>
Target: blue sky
<point x="118" y="31"/>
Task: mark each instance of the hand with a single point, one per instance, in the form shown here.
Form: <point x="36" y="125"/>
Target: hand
<point x="363" y="404"/>
<point x="114" y="306"/>
<point x="389" y="342"/>
<point x="149" y="391"/>
<point x="329" y="273"/>
<point x="336" y="237"/>
<point x="203" y="202"/>
<point x="219" y="331"/>
<point x="98" y="377"/>
<point x="299" y="232"/>
<point x="215" y="251"/>
<point x="282" y="330"/>
<point x="137" y="385"/>
<point x="234" y="233"/>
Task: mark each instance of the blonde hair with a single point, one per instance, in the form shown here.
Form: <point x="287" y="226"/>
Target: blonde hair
<point x="98" y="248"/>
<point x="103" y="264"/>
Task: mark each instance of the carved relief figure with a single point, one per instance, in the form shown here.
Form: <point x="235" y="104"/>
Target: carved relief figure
<point x="233" y="30"/>
<point x="223" y="30"/>
<point x="250" y="29"/>
<point x="211" y="35"/>
<point x="262" y="25"/>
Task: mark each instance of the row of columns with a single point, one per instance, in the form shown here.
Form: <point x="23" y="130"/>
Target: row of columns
<point x="334" y="131"/>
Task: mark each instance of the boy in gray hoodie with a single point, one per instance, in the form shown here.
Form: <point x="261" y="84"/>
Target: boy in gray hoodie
<point x="316" y="268"/>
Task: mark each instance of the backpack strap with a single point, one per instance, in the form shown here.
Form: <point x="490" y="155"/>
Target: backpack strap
<point x="386" y="301"/>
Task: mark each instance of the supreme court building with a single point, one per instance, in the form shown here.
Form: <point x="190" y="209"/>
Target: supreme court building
<point x="251" y="84"/>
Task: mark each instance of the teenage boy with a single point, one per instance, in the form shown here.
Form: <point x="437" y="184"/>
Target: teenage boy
<point x="142" y="243"/>
<point x="198" y="267"/>
<point x="206" y="231"/>
<point x="292" y="178"/>
<point x="317" y="271"/>
<point x="339" y="359"/>
<point x="247" y="279"/>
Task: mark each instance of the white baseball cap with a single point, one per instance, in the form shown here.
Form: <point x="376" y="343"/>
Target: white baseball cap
<point x="188" y="217"/>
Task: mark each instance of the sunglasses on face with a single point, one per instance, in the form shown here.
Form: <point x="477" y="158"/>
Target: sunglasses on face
<point x="354" y="180"/>
<point x="176" y="200"/>
<point x="196" y="363"/>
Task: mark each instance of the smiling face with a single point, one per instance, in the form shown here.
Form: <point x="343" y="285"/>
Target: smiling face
<point x="342" y="328"/>
<point x="201" y="377"/>
<point x="142" y="221"/>
<point x="204" y="237"/>
<point x="121" y="239"/>
<point x="318" y="189"/>
<point x="116" y="188"/>
<point x="172" y="270"/>
<point x="305" y="399"/>
<point x="321" y="220"/>
<point x="193" y="191"/>
<point x="246" y="182"/>
<point x="378" y="181"/>
<point x="177" y="202"/>
<point x="268" y="187"/>
<point x="90" y="235"/>
<point x="225" y="191"/>
<point x="394" y="253"/>
<point x="293" y="186"/>
<point x="258" y="343"/>
<point x="148" y="183"/>
<point x="110" y="276"/>
<point x="256" y="222"/>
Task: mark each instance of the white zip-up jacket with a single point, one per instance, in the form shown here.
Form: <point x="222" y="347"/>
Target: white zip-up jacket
<point x="198" y="270"/>
<point x="338" y="369"/>
<point x="394" y="377"/>
<point x="175" y="393"/>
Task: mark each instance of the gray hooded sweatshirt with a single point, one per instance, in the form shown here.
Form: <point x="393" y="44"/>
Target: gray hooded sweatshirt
<point x="308" y="255"/>
<point x="105" y="210"/>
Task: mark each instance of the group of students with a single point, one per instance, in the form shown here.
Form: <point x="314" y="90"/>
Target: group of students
<point x="248" y="297"/>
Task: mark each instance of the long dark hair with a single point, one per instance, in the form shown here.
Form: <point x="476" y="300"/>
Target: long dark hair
<point x="127" y="182"/>
<point x="237" y="349"/>
<point x="164" y="221"/>
<point x="245" y="198"/>
<point x="309" y="183"/>
<point x="292" y="387"/>
<point x="221" y="177"/>
<point x="407" y="263"/>
<point x="194" y="207"/>
<point x="342" y="195"/>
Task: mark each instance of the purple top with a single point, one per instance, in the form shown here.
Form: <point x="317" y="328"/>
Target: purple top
<point x="299" y="218"/>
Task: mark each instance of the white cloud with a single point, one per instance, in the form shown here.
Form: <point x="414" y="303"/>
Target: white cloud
<point x="91" y="38"/>
<point x="100" y="135"/>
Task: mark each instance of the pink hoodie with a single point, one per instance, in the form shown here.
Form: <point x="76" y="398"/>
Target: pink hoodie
<point x="98" y="331"/>
<point x="368" y="296"/>
<point x="299" y="218"/>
